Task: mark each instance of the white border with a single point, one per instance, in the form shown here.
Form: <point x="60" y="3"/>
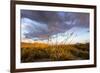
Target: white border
<point x="20" y="65"/>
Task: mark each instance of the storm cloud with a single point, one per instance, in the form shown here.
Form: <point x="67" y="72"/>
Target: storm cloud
<point x="41" y="24"/>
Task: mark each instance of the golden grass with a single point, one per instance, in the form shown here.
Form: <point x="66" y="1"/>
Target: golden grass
<point x="34" y="52"/>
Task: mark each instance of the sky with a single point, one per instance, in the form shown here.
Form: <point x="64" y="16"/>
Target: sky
<point x="55" y="26"/>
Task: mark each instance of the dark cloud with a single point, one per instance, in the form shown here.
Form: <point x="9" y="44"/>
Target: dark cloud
<point x="47" y="23"/>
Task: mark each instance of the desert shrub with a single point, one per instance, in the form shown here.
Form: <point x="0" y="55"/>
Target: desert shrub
<point x="84" y="47"/>
<point x="24" y="54"/>
<point x="55" y="53"/>
<point x="80" y="54"/>
<point x="84" y="55"/>
<point x="34" y="54"/>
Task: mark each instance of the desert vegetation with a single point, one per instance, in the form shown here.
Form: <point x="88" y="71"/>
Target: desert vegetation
<point x="37" y="52"/>
<point x="54" y="35"/>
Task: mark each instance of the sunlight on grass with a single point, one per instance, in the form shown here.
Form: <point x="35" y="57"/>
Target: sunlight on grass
<point x="43" y="52"/>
